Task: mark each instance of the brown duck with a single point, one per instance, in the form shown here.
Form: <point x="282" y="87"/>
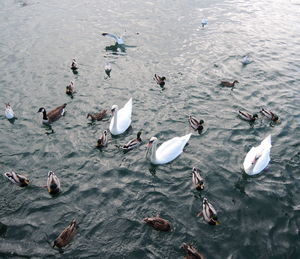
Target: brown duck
<point x="66" y="236"/>
<point x="70" y="89"/>
<point x="52" y="115"/>
<point x="160" y="80"/>
<point x="103" y="140"/>
<point x="97" y="116"/>
<point x="158" y="223"/>
<point x="192" y="253"/>
<point x="228" y="84"/>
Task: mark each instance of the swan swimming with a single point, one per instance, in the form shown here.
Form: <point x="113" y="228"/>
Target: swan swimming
<point x="168" y="150"/>
<point x="121" y="119"/>
<point x="258" y="157"/>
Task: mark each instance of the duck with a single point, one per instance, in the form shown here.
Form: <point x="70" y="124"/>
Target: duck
<point x="121" y="119"/>
<point x="197" y="179"/>
<point x="118" y="40"/>
<point x="247" y="116"/>
<point x="66" y="236"/>
<point x="102" y="141"/>
<point x="228" y="84"/>
<point x="160" y="80"/>
<point x="246" y="60"/>
<point x="133" y="143"/>
<point x="107" y="69"/>
<point x="167" y="151"/>
<point x="209" y="213"/>
<point x="9" y="113"/>
<point x="270" y="115"/>
<point x="53" y="115"/>
<point x="158" y="223"/>
<point x="97" y="116"/>
<point x="74" y="65"/>
<point x="70" y="89"/>
<point x="258" y="157"/>
<point x="17" y="179"/>
<point x="192" y="253"/>
<point x="53" y="183"/>
<point x="204" y="22"/>
<point x="195" y="124"/>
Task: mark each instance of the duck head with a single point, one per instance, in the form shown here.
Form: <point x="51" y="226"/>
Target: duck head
<point x="139" y="135"/>
<point x="255" y="116"/>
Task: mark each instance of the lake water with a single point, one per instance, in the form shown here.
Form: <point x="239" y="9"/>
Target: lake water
<point x="109" y="192"/>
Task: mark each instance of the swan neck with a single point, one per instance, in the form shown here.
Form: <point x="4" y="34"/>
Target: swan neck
<point x="115" y="118"/>
<point x="153" y="152"/>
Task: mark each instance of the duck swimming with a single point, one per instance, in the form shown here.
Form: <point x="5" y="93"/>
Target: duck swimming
<point x="107" y="69"/>
<point x="66" y="236"/>
<point x="133" y="143"/>
<point x="118" y="40"/>
<point x="121" y="119"/>
<point x="158" y="223"/>
<point x="204" y="22"/>
<point x="209" y="213"/>
<point x="246" y="60"/>
<point x="270" y="115"/>
<point x="197" y="179"/>
<point x="53" y="115"/>
<point x="192" y="253"/>
<point x="168" y="150"/>
<point x="228" y="84"/>
<point x="97" y="116"/>
<point x="103" y="140"/>
<point x="17" y="179"/>
<point x="195" y="124"/>
<point x="258" y="157"/>
<point x="74" y="65"/>
<point x="247" y="116"/>
<point x="160" y="80"/>
<point x="53" y="183"/>
<point x="9" y="113"/>
<point x="70" y="89"/>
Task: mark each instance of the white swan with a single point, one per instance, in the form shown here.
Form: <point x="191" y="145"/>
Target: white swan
<point x="118" y="40"/>
<point x="258" y="157"/>
<point x="121" y="119"/>
<point x="9" y="113"/>
<point x="167" y="151"/>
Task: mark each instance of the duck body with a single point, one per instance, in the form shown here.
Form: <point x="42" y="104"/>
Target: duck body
<point x="247" y="116"/>
<point x="9" y="113"/>
<point x="17" y="179"/>
<point x="270" y="115"/>
<point x="160" y="80"/>
<point x="121" y="119"/>
<point x="228" y="84"/>
<point x="167" y="151"/>
<point x="133" y="143"/>
<point x="70" y="89"/>
<point x="192" y="253"/>
<point x="209" y="213"/>
<point x="107" y="69"/>
<point x="74" y="65"/>
<point x="118" y="40"/>
<point x="103" y="140"/>
<point x="158" y="223"/>
<point x="197" y="180"/>
<point x="97" y="116"/>
<point x="258" y="157"/>
<point x="66" y="236"/>
<point x="196" y="124"/>
<point x="204" y="22"/>
<point x="53" y="115"/>
<point x="53" y="183"/>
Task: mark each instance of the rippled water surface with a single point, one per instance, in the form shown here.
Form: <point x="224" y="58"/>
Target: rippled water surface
<point x="109" y="192"/>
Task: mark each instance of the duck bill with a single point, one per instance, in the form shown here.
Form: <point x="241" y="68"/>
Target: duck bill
<point x="217" y="222"/>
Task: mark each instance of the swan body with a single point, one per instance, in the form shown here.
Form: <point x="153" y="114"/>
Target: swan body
<point x="167" y="151"/>
<point x="66" y="236"/>
<point x="53" y="183"/>
<point x="118" y="40"/>
<point x="121" y="119"/>
<point x="17" y="179"/>
<point x="158" y="223"/>
<point x="209" y="213"/>
<point x="9" y="113"/>
<point x="258" y="157"/>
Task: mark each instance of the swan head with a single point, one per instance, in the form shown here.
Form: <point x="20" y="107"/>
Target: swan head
<point x="114" y="108"/>
<point x="151" y="141"/>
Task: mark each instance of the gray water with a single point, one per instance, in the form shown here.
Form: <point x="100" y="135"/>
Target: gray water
<point x="109" y="192"/>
